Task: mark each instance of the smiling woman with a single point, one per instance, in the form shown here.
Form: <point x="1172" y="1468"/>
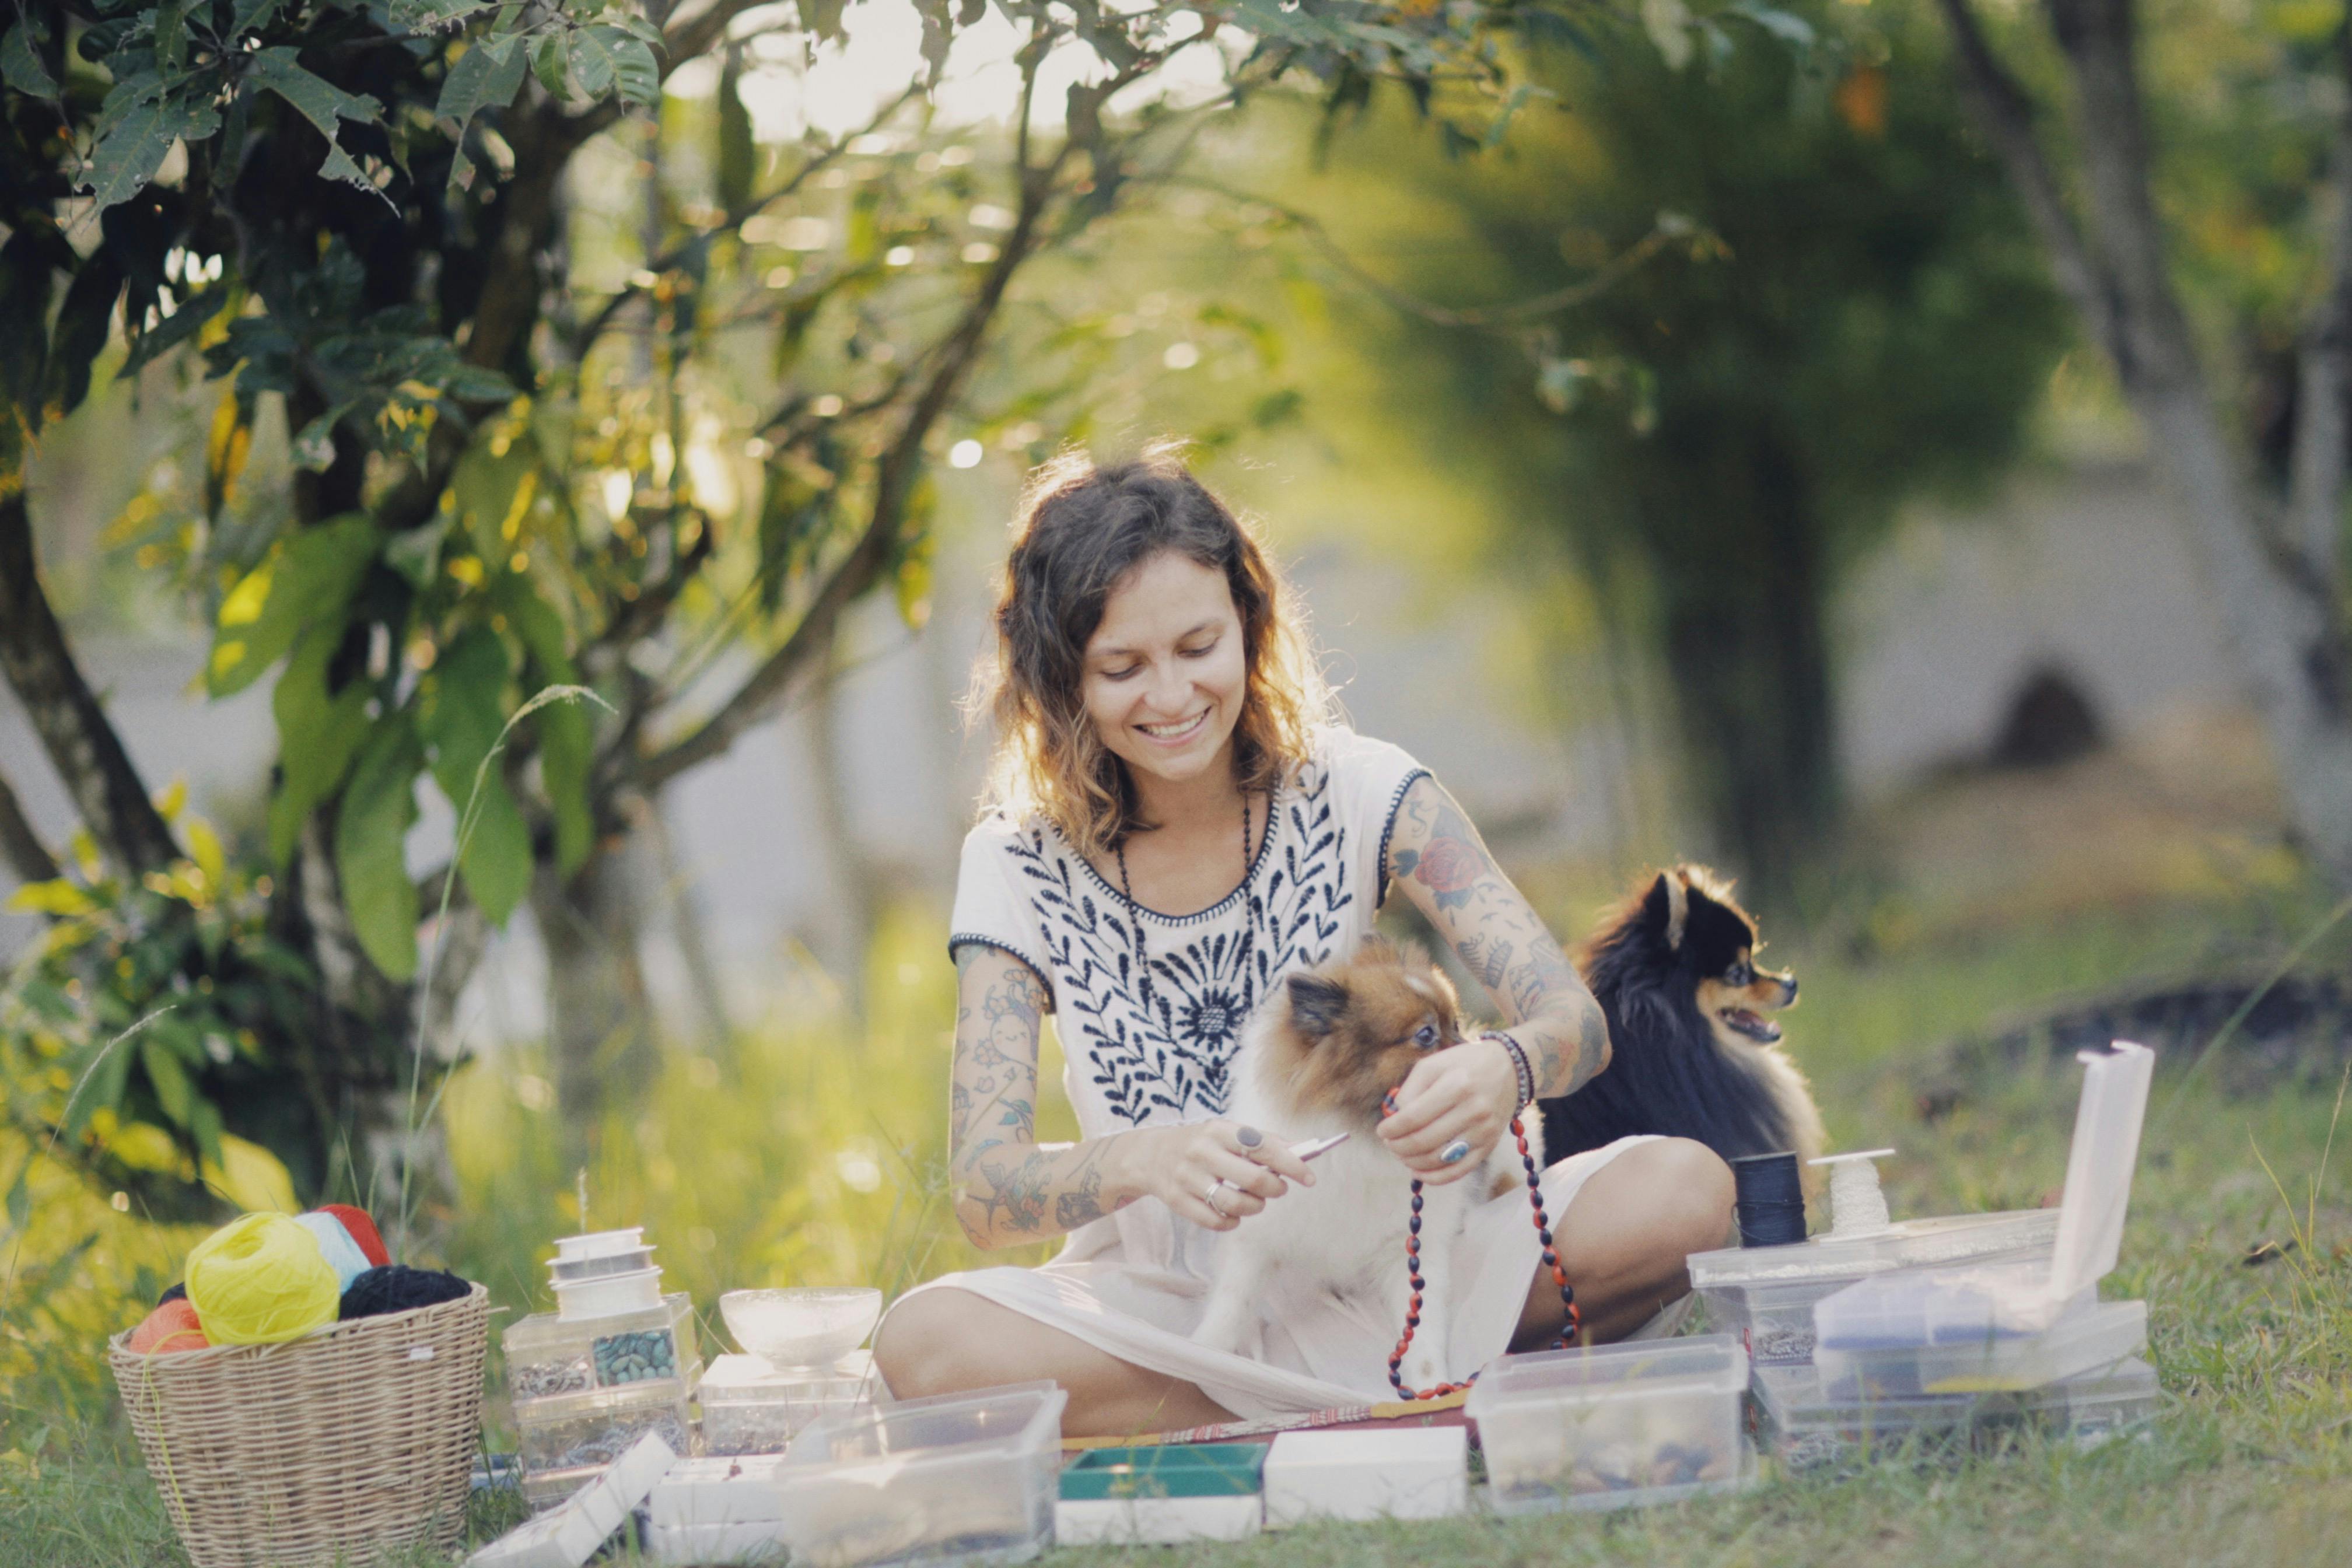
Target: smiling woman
<point x="1177" y="826"/>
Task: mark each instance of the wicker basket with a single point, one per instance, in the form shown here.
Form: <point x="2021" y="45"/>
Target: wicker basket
<point x="353" y="1440"/>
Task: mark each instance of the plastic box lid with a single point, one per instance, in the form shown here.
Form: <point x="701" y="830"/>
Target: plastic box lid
<point x="1711" y="1363"/>
<point x="1958" y="1305"/>
<point x="570" y="1533"/>
<point x="2094" y="1335"/>
<point x="1011" y="1421"/>
<point x="750" y="1380"/>
<point x="1907" y="1244"/>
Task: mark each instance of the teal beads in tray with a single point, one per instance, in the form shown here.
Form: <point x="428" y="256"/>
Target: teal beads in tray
<point x="1202" y="1469"/>
<point x="634" y="1357"/>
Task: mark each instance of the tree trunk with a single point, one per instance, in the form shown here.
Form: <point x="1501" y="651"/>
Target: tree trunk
<point x="599" y="1024"/>
<point x="1749" y="661"/>
<point x="2277" y="595"/>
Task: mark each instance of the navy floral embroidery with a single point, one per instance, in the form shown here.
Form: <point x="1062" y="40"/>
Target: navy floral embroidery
<point x="1158" y="1037"/>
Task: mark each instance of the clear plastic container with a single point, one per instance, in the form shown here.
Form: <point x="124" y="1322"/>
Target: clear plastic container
<point x="578" y="1431"/>
<point x="2093" y="1337"/>
<point x="1907" y="1244"/>
<point x="563" y="1271"/>
<point x="1623" y="1424"/>
<point x="608" y="1295"/>
<point x="972" y="1482"/>
<point x="721" y="1490"/>
<point x="1807" y="1430"/>
<point x="1774" y="1317"/>
<point x="548" y="1356"/>
<point x="599" y="1243"/>
<point x="749" y="1407"/>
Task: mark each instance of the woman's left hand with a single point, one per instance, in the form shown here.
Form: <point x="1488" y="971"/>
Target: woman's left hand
<point x="1468" y="1092"/>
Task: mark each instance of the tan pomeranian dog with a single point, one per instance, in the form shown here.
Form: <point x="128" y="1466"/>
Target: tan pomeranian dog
<point x="1320" y="1056"/>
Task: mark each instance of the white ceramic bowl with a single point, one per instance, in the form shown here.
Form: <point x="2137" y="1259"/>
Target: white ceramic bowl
<point x="801" y="1327"/>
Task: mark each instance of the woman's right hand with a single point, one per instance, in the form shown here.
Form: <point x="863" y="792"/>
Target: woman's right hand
<point x="1180" y="1165"/>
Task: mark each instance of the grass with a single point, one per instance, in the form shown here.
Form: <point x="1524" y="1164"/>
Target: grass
<point x="810" y="1152"/>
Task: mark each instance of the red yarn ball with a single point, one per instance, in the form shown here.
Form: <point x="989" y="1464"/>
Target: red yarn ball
<point x="170" y="1327"/>
<point x="362" y="1231"/>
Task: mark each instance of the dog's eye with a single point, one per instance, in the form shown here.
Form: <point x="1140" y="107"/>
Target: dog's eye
<point x="1740" y="974"/>
<point x="1425" y="1037"/>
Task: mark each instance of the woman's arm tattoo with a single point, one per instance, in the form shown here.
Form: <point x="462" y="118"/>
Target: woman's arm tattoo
<point x="1446" y="870"/>
<point x="1009" y="1188"/>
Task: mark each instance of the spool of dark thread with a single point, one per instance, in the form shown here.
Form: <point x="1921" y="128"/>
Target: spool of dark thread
<point x="1772" y="1201"/>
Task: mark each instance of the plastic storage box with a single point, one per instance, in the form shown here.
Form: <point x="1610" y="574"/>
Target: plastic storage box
<point x="954" y="1481"/>
<point x="571" y="1531"/>
<point x="1644" y="1421"/>
<point x="717" y="1491"/>
<point x="1807" y="1430"/>
<point x="749" y="1407"/>
<point x="1162" y="1496"/>
<point x="1416" y="1472"/>
<point x="2093" y="1338"/>
<point x="1766" y="1294"/>
<point x="581" y="1431"/>
<point x="548" y="1356"/>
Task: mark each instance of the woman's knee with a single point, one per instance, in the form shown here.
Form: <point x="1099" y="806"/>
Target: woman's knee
<point x="1695" y="1193"/>
<point x="925" y="1344"/>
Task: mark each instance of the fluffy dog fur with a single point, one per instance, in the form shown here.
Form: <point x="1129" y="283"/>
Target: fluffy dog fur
<point x="1695" y="1048"/>
<point x="1320" y="1056"/>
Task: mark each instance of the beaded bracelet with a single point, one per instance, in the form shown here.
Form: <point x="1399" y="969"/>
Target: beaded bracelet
<point x="1527" y="1074"/>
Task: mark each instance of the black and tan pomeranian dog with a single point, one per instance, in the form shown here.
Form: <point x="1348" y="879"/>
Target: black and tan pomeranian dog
<point x="1320" y="1055"/>
<point x="1695" y="1050"/>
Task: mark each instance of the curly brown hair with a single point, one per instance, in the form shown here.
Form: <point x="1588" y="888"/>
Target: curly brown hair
<point x="1079" y="529"/>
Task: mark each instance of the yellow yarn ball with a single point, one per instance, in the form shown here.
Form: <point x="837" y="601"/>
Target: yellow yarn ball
<point x="260" y="1279"/>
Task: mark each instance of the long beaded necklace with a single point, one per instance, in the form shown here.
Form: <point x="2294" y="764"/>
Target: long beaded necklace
<point x="1135" y="921"/>
<point x="1569" y="1324"/>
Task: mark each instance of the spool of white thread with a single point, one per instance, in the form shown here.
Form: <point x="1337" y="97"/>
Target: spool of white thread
<point x="1857" y="1207"/>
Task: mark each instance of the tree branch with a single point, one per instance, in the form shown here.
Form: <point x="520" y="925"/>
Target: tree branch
<point x="2004" y="114"/>
<point x="859" y="570"/>
<point x="2323" y="373"/>
<point x="81" y="745"/>
<point x="27" y="857"/>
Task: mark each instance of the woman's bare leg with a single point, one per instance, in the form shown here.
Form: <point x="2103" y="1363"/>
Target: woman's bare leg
<point x="1624" y="1237"/>
<point x="945" y="1341"/>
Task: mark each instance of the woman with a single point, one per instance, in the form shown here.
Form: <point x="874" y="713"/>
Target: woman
<point x="1177" y="823"/>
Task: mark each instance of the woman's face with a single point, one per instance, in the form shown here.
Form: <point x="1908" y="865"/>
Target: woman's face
<point x="1165" y="673"/>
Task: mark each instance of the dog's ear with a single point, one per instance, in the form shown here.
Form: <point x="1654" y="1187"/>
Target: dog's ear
<point x="1667" y="908"/>
<point x="1317" y="1005"/>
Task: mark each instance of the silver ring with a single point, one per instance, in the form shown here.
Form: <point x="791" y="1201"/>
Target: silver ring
<point x="1210" y="1197"/>
<point x="1454" y="1153"/>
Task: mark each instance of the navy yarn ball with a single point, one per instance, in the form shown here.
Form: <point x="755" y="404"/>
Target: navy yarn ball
<point x="396" y="1287"/>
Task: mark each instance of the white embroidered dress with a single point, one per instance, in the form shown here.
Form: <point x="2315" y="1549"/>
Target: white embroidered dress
<point x="1149" y="1009"/>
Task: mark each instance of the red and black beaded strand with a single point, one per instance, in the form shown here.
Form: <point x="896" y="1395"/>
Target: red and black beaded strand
<point x="1570" y="1325"/>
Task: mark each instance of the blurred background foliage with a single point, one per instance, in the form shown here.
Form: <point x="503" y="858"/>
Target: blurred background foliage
<point x="1628" y="342"/>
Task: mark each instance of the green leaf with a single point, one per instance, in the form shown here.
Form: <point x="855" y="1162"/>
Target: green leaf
<point x="461" y="711"/>
<point x="308" y="577"/>
<point x="81" y="332"/>
<point x="168" y="1078"/>
<point x="634" y="70"/>
<point x="250" y="14"/>
<point x="566" y="735"/>
<point x="492" y="493"/>
<point x="318" y="735"/>
<point x="20" y="57"/>
<point x="738" y="160"/>
<point x="320" y="102"/>
<point x="548" y="63"/>
<point x="379" y="806"/>
<point x="137" y="127"/>
<point x="486" y="76"/>
<point x="591" y="55"/>
<point x="172" y="34"/>
<point x="101" y="1090"/>
<point x="174" y="330"/>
